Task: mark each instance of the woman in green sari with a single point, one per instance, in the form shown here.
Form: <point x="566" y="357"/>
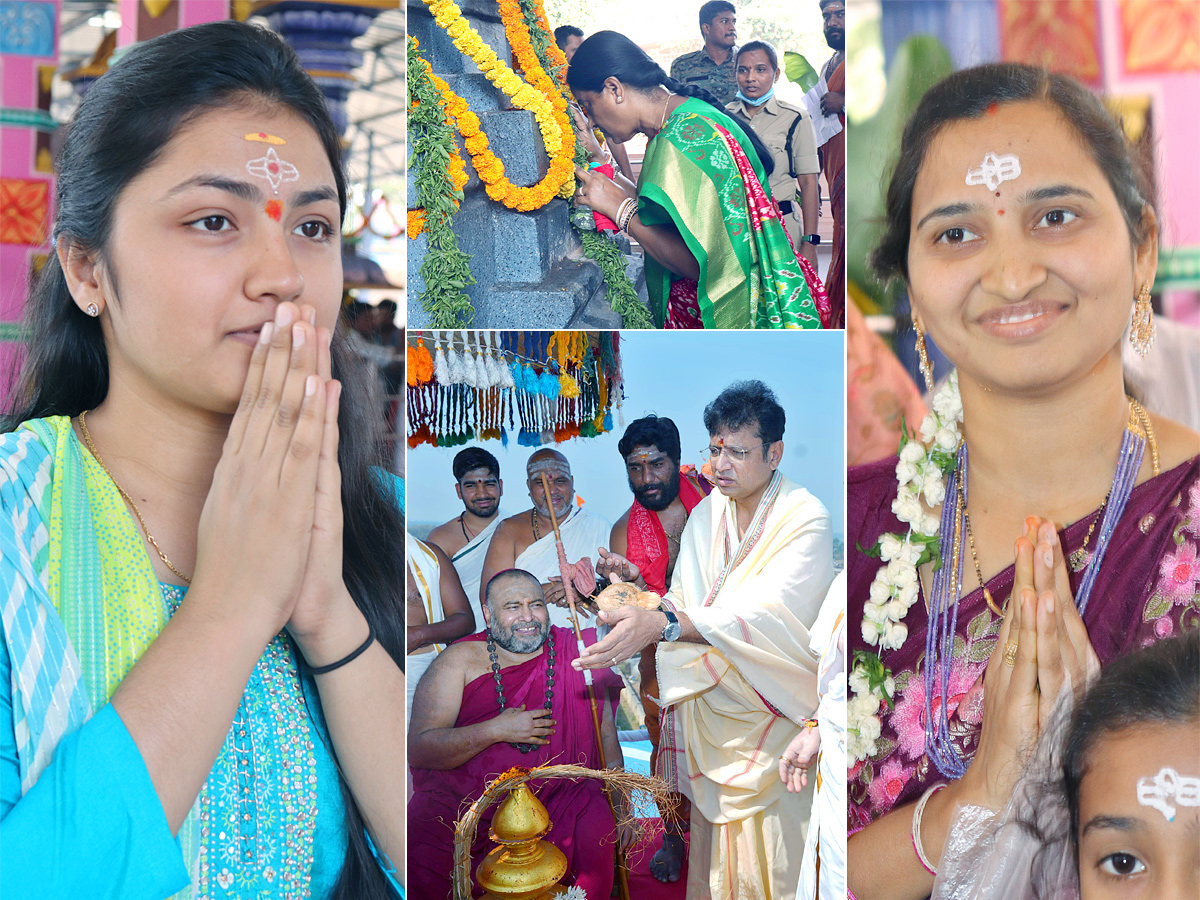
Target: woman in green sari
<point x="717" y="255"/>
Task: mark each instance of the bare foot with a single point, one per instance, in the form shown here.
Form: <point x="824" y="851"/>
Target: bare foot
<point x="668" y="861"/>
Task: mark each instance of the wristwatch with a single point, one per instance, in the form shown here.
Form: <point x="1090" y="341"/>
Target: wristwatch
<point x="812" y="238"/>
<point x="672" y="630"/>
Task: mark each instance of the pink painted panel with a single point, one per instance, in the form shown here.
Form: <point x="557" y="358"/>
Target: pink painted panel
<point x="197" y="12"/>
<point x="19" y="82"/>
<point x="16" y="151"/>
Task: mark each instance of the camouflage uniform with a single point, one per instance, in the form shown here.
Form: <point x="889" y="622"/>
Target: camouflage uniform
<point x="699" y="69"/>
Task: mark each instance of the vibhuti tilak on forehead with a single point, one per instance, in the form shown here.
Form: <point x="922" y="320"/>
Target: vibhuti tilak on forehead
<point x="994" y="170"/>
<point x="1168" y="785"/>
<point x="549" y="465"/>
<point x="272" y="168"/>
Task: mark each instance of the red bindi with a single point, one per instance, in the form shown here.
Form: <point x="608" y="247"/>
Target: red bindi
<point x="999" y="212"/>
<point x="275" y="209"/>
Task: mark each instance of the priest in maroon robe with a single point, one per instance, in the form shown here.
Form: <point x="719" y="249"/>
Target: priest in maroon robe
<point x="509" y="697"/>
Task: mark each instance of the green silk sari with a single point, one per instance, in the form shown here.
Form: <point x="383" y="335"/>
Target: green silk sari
<point x="695" y="181"/>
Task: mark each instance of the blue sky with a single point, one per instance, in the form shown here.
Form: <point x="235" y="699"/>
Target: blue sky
<point x="676" y="374"/>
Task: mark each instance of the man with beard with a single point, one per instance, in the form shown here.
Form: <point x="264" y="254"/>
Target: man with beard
<point x="504" y="698"/>
<point x="643" y="547"/>
<point x="465" y="538"/>
<point x="713" y="67"/>
<point x="833" y="152"/>
<point x="526" y="540"/>
<point x="734" y="662"/>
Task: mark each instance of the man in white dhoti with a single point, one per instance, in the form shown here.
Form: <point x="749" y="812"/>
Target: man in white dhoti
<point x="437" y="610"/>
<point x="735" y="672"/>
<point x="823" y="872"/>
<point x="465" y="538"/>
<point x="526" y="541"/>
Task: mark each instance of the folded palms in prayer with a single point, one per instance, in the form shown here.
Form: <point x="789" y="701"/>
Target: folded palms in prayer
<point x="599" y="192"/>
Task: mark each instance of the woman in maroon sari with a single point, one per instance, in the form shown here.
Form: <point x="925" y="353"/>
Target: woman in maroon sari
<point x="1016" y="220"/>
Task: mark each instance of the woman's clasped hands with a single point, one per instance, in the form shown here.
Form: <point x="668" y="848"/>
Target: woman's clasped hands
<point x="600" y="193"/>
<point x="1043" y="647"/>
<point x="270" y="538"/>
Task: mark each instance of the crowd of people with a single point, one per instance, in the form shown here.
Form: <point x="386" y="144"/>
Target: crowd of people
<point x="737" y="648"/>
<point x="727" y="199"/>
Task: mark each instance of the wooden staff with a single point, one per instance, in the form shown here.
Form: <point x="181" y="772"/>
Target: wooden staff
<point x="564" y="569"/>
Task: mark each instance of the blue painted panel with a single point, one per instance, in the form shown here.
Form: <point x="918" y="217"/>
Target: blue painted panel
<point x="27" y="28"/>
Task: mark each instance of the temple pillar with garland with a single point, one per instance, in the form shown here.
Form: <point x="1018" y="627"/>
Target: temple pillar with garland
<point x="529" y="267"/>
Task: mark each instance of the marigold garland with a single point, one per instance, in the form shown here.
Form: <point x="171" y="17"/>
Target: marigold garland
<point x="456" y="166"/>
<point x="544" y="66"/>
<point x="557" y="134"/>
<point x="445" y="269"/>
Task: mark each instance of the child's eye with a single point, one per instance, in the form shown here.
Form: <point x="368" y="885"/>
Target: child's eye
<point x="1122" y="865"/>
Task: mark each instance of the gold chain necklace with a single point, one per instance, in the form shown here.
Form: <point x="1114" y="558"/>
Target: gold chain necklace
<point x="663" y="123"/>
<point x="87" y="438"/>
<point x="1138" y="421"/>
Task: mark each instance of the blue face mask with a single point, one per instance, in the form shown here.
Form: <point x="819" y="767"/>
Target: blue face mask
<point x="760" y="101"/>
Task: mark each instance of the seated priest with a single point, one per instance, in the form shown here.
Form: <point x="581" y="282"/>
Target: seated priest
<point x="510" y="697"/>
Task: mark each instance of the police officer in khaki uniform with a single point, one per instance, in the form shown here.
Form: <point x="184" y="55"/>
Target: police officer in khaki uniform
<point x="788" y="132"/>
<point x="712" y="67"/>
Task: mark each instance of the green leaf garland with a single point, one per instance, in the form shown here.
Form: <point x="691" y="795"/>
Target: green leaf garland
<point x="446" y="269"/>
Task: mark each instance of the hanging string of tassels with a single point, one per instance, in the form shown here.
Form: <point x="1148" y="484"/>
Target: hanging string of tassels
<point x="546" y="387"/>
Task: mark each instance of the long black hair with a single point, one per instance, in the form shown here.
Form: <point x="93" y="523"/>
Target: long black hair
<point x="1159" y="684"/>
<point x="609" y="54"/>
<point x="968" y="94"/>
<point x="126" y="119"/>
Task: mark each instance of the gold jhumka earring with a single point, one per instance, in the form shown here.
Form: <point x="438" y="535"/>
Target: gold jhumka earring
<point x="1142" y="328"/>
<point x="923" y="353"/>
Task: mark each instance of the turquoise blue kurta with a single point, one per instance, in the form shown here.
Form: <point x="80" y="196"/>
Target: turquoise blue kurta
<point x="270" y="819"/>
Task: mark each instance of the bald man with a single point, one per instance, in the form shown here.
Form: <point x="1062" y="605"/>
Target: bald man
<point x="526" y="540"/>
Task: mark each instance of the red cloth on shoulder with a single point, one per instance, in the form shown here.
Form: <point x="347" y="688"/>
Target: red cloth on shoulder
<point x="647" y="540"/>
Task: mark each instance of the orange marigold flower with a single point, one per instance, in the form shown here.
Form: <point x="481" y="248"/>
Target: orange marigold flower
<point x="416" y="222"/>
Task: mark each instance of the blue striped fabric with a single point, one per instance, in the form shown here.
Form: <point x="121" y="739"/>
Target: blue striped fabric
<point x="49" y="697"/>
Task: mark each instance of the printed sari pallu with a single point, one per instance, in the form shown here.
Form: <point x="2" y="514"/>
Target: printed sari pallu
<point x="702" y="176"/>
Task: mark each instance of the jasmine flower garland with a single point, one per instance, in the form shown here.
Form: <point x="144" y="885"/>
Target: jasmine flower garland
<point x="920" y="472"/>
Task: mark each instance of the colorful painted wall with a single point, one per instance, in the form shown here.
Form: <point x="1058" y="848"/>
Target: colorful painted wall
<point x="28" y="53"/>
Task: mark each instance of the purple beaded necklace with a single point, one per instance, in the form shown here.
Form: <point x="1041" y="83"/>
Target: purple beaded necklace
<point x="947" y="581"/>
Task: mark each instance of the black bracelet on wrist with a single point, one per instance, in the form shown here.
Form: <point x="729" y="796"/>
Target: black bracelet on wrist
<point x="322" y="670"/>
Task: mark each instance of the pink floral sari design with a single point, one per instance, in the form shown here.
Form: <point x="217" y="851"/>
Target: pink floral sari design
<point x="1148" y="589"/>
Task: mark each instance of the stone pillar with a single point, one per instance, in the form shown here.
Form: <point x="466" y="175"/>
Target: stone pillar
<point x="321" y="32"/>
<point x="28" y="52"/>
<point x="529" y="268"/>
